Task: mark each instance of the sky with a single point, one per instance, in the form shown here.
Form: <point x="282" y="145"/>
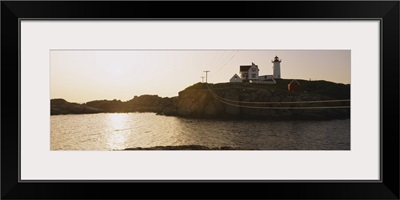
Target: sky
<point x="86" y="75"/>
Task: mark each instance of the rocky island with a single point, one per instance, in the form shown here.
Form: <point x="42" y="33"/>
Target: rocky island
<point x="316" y="100"/>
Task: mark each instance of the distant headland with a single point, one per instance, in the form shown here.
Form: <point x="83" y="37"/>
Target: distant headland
<point x="316" y="100"/>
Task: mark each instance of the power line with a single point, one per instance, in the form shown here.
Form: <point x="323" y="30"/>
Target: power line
<point x="214" y="59"/>
<point x="259" y="107"/>
<point x="223" y="58"/>
<point x="296" y="108"/>
<point x="230" y="102"/>
<point x="283" y="102"/>
<point x="230" y="58"/>
<point x="278" y="102"/>
<point x="206" y="74"/>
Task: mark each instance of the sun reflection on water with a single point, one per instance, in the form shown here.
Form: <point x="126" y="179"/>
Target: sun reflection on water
<point x="118" y="129"/>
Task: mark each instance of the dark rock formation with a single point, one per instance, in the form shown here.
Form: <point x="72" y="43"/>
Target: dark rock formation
<point x="226" y="100"/>
<point x="234" y="101"/>
<point x="61" y="106"/>
<point x="144" y="103"/>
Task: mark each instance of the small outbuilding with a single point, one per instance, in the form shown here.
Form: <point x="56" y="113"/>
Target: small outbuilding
<point x="235" y="79"/>
<point x="293" y="86"/>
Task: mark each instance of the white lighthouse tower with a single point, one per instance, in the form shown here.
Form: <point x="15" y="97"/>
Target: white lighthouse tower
<point x="276" y="67"/>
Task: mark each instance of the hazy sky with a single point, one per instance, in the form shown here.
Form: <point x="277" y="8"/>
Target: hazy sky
<point x="82" y="76"/>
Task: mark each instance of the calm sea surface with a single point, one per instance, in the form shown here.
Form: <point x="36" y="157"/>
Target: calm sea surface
<point x="128" y="130"/>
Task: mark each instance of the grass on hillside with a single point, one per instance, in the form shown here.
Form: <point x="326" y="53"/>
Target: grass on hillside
<point x="321" y="87"/>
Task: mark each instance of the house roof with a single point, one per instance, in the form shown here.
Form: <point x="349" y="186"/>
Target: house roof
<point x="244" y="68"/>
<point x="294" y="81"/>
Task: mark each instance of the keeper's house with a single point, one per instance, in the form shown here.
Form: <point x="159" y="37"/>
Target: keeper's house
<point x="250" y="74"/>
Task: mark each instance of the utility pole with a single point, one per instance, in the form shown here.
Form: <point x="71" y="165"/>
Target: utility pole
<point x="206" y="74"/>
<point x="202" y="79"/>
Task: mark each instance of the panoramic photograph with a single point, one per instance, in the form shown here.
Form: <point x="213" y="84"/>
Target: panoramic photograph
<point x="130" y="100"/>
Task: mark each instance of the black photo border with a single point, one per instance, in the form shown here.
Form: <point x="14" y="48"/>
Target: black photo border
<point x="13" y="11"/>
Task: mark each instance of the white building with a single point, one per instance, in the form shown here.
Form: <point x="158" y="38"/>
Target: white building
<point x="235" y="79"/>
<point x="277" y="67"/>
<point x="250" y="73"/>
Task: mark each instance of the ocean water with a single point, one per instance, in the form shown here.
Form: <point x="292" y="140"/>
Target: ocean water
<point x="117" y="131"/>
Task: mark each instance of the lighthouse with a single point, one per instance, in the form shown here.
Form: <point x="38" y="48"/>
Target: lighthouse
<point x="276" y="67"/>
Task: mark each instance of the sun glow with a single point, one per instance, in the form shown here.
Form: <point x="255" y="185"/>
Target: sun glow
<point x="82" y="76"/>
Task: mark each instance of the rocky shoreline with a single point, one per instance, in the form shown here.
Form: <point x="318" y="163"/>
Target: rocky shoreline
<point x="187" y="147"/>
<point x="231" y="101"/>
